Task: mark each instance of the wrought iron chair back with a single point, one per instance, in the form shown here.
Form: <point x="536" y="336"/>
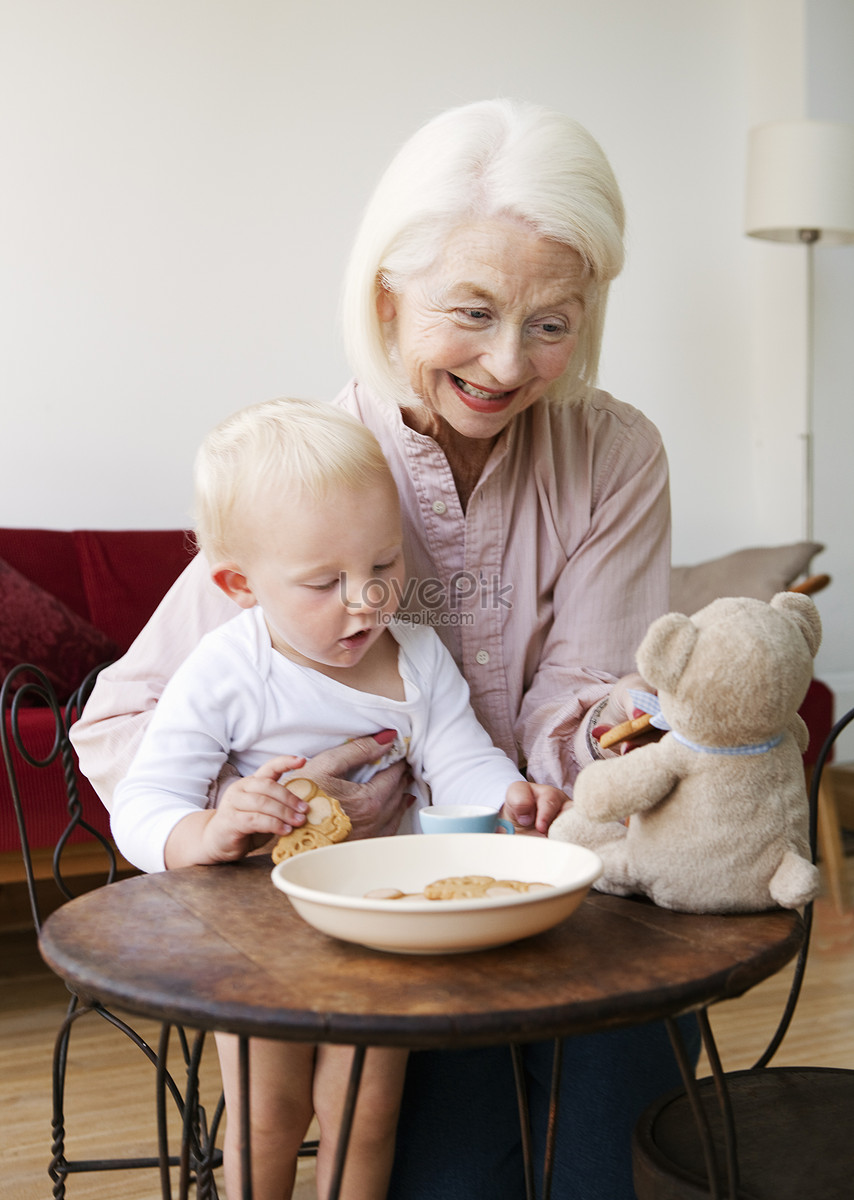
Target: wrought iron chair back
<point x="199" y="1155"/>
<point x="688" y="1144"/>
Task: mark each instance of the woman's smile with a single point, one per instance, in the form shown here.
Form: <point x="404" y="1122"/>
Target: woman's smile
<point x="479" y="398"/>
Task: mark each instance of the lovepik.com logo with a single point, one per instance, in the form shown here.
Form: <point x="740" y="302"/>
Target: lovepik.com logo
<point x="431" y="594"/>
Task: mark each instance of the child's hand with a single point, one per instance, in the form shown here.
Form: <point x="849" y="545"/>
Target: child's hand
<point x="533" y="806"/>
<point x="252" y="810"/>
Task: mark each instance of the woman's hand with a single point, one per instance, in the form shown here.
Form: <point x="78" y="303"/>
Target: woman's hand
<point x="375" y="808"/>
<point x="533" y="806"/>
<point x="254" y="809"/>
<point x="621" y="708"/>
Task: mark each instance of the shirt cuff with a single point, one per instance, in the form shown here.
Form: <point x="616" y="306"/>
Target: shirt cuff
<point x="585" y="747"/>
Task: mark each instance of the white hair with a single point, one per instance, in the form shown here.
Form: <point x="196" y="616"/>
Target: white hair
<point x="294" y="445"/>
<point x="494" y="158"/>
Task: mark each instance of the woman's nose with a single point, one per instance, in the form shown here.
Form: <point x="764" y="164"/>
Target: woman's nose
<point x="505" y="356"/>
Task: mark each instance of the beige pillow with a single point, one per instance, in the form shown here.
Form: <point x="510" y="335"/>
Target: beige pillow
<point x="760" y="572"/>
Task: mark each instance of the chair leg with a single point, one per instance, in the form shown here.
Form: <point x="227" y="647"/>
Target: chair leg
<point x="58" y="1169"/>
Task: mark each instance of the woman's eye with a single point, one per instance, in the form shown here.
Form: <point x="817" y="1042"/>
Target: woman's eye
<point x="474" y="316"/>
<point x="551" y="329"/>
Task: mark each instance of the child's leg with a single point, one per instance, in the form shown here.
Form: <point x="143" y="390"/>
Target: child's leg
<point x="280" y="1075"/>
<point x="371" y="1149"/>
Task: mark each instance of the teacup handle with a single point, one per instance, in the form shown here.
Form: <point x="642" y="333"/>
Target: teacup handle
<point x="506" y="825"/>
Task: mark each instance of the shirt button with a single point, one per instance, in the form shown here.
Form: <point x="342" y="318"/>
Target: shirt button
<point x="439" y="507"/>
<point x="482" y="657"/>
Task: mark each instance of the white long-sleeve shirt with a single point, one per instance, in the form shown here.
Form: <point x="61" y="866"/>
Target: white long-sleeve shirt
<point x="235" y="698"/>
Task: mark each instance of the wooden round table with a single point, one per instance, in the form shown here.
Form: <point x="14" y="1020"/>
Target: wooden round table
<point x="220" y="948"/>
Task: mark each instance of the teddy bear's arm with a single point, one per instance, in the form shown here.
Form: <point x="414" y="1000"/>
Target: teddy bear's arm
<point x="614" y="789"/>
<point x="800" y="731"/>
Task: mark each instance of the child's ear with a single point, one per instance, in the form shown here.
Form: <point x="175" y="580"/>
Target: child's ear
<point x="230" y="579"/>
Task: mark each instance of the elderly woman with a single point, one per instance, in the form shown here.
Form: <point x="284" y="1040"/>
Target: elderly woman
<point x="536" y="519"/>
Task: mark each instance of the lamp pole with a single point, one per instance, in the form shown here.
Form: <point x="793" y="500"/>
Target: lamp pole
<point x="809" y="237"/>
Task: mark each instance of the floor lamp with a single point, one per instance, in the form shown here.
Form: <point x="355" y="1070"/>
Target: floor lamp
<point x="800" y="188"/>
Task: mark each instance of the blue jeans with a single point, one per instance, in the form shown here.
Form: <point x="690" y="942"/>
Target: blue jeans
<point x="459" y="1139"/>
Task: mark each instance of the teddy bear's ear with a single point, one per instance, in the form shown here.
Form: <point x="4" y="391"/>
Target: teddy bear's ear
<point x="666" y="649"/>
<point x="804" y="614"/>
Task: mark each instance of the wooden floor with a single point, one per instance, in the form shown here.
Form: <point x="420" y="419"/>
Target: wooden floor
<point x="110" y="1095"/>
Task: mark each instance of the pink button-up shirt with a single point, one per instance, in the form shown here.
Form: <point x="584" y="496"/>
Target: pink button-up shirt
<point x="542" y="589"/>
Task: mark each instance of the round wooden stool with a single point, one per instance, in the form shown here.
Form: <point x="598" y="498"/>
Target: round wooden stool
<point x="794" y="1138"/>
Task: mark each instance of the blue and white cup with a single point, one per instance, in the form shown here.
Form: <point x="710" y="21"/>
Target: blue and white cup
<point x="461" y="818"/>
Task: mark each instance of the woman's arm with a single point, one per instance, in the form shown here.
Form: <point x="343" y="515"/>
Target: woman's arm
<point x="609" y="591"/>
<point x="110" y="729"/>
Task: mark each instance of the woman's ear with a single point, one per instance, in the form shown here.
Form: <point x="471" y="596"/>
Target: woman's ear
<point x="230" y="579"/>
<point x="386" y="304"/>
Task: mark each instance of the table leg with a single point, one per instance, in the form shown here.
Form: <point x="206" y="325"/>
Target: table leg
<point x="162" y="1130"/>
<point x="524" y="1118"/>
<point x="551" y="1131"/>
<point x="722" y="1092"/>
<point x="692" y="1092"/>
<point x="346" y="1122"/>
<point x="244" y="1117"/>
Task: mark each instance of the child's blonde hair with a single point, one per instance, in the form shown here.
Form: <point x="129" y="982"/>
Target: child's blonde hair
<point x="302" y="445"/>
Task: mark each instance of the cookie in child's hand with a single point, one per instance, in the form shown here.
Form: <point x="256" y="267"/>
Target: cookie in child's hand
<point x="325" y="821"/>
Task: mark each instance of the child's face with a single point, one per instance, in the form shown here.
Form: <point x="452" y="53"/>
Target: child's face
<point x="328" y="573"/>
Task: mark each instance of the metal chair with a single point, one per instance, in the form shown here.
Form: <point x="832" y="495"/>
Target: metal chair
<point x="768" y="1133"/>
<point x="199" y="1155"/>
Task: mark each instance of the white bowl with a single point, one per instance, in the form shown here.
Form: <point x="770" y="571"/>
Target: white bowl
<point x="327" y="888"/>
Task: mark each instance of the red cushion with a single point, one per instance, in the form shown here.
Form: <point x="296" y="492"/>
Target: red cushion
<point x="126" y="573"/>
<point x="36" y="627"/>
<point x="817" y="714"/>
<point x="48" y="558"/>
<point x="43" y="790"/>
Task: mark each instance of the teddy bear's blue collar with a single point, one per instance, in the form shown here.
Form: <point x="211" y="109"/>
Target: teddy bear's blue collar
<point x="649" y="703"/>
<point x="758" y="748"/>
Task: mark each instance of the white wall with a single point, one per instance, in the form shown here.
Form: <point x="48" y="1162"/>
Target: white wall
<point x="800" y="54"/>
<point x="181" y="180"/>
<point x="188" y="174"/>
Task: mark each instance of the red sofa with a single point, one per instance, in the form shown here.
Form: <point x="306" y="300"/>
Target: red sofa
<point x="71" y="601"/>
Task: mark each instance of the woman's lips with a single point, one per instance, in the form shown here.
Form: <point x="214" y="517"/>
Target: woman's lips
<point x="478" y="398"/>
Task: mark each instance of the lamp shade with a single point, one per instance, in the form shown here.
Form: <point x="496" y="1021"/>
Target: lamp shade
<point x="800" y="176"/>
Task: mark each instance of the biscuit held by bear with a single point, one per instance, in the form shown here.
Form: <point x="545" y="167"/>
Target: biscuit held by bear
<point x="325" y="822"/>
<point x="717" y="810"/>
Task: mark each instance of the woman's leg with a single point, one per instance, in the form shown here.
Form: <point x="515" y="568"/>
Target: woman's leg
<point x="607" y="1080"/>
<point x="371" y="1147"/>
<point x="280" y="1080"/>
<point x="458" y="1133"/>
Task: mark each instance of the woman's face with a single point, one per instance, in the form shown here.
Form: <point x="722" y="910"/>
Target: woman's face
<point x="482" y="332"/>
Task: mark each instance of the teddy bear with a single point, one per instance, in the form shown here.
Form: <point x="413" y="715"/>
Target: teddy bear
<point x="713" y="818"/>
